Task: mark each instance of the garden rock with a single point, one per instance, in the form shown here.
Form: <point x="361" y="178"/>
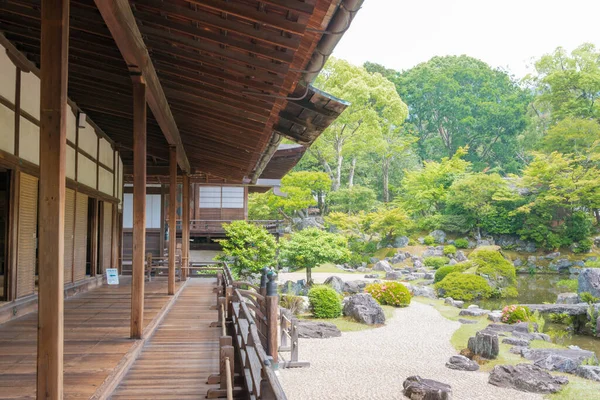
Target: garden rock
<point x="424" y="291"/>
<point x="372" y="276"/>
<point x="393" y="275"/>
<point x="591" y="372"/>
<point x="473" y="312"/>
<point x="563" y="360"/>
<point x="495" y="316"/>
<point x="560" y="265"/>
<point x="373" y="260"/>
<point x="452" y="262"/>
<point x="460" y="256"/>
<point x="364" y="309"/>
<point x="401" y="241"/>
<point x="468" y="321"/>
<point x="526" y="378"/>
<point x="485" y="242"/>
<point x="567" y="298"/>
<point x="317" y="330"/>
<point x="531" y="336"/>
<point x="417" y="263"/>
<point x="517" y="349"/>
<point x="437" y="251"/>
<point x="484" y="344"/>
<point x="462" y="363"/>
<point x="417" y="388"/>
<point x="336" y="283"/>
<point x="297" y="288"/>
<point x="398" y="258"/>
<point x="552" y="256"/>
<point x="589" y="281"/>
<point x="516" y="342"/>
<point x="439" y="235"/>
<point x="354" y="287"/>
<point x="308" y="222"/>
<point x="361" y="269"/>
<point x="454" y="303"/>
<point x="429" y="275"/>
<point x="518" y="262"/>
<point x="383" y="265"/>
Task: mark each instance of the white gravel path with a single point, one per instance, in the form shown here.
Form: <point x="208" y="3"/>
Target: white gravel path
<point x="372" y="364"/>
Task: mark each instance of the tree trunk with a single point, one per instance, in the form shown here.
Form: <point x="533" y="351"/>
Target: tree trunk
<point x="597" y="215"/>
<point x="386" y="171"/>
<point x="338" y="170"/>
<point x="352" y="168"/>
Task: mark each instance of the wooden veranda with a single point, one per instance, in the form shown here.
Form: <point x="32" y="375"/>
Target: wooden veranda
<point x="185" y="90"/>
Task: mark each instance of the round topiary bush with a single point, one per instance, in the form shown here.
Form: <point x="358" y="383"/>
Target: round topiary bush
<point x="324" y="302"/>
<point x="449" y="250"/>
<point x="461" y="243"/>
<point x="491" y="264"/>
<point x="442" y="272"/>
<point x="390" y="293"/>
<point x="429" y="240"/>
<point x="435" y="262"/>
<point x="464" y="287"/>
<point x="515" y="314"/>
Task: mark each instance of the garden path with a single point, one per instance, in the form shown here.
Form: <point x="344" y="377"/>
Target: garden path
<point x="372" y="364"/>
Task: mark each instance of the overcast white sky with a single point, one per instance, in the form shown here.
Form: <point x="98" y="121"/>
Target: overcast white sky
<point x="504" y="33"/>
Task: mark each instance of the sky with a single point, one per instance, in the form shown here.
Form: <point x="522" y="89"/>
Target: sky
<point x="510" y="34"/>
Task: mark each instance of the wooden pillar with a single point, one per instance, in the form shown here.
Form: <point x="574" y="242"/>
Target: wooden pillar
<point x="272" y="305"/>
<point x="185" y="226"/>
<point x="53" y="146"/>
<point x="172" y="216"/>
<point x="139" y="207"/>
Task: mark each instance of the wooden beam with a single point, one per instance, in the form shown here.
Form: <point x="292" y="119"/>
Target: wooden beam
<point x="185" y="232"/>
<point x="139" y="208"/>
<point x="119" y="18"/>
<point x="172" y="216"/>
<point x="53" y="148"/>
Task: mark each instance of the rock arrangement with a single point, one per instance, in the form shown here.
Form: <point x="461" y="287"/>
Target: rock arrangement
<point x="363" y="308"/>
<point x="317" y="330"/>
<point x="484" y="344"/>
<point x="417" y="388"/>
<point x="526" y="378"/>
<point x="462" y="363"/>
<point x="589" y="281"/>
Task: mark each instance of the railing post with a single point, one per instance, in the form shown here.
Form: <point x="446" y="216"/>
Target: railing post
<point x="294" y="340"/>
<point x="272" y="316"/>
<point x="263" y="281"/>
<point x="149" y="265"/>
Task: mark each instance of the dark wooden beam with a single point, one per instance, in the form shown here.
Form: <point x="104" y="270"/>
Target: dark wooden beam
<point x="53" y="148"/>
<point x="185" y="227"/>
<point x="139" y="208"/>
<point x="172" y="217"/>
<point x="120" y="21"/>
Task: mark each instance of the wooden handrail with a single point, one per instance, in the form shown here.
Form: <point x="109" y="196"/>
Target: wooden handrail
<point x="229" y="379"/>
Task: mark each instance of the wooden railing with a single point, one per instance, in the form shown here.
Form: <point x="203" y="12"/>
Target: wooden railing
<point x="289" y="341"/>
<point x="248" y="317"/>
<point x="216" y="226"/>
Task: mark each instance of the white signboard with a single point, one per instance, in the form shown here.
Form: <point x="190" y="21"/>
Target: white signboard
<point x="112" y="276"/>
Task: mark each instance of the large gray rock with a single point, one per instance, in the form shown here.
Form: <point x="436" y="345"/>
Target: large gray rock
<point x="298" y="288"/>
<point x="308" y="222"/>
<point x="516" y="342"/>
<point x="373" y="260"/>
<point x="317" y="330"/>
<point x="439" y="236"/>
<point x="460" y="256"/>
<point x="393" y="275"/>
<point x="591" y="372"/>
<point x="567" y="298"/>
<point x="336" y="283"/>
<point x="424" y="291"/>
<point x="526" y="378"/>
<point x="354" y="287"/>
<point x="589" y="281"/>
<point x="467" y="321"/>
<point x="398" y="258"/>
<point x="417" y="388"/>
<point x="484" y="344"/>
<point x="531" y="336"/>
<point x="363" y="308"/>
<point x="495" y="316"/>
<point x="454" y="303"/>
<point x="563" y="360"/>
<point x="383" y="265"/>
<point x="437" y="251"/>
<point x="401" y="241"/>
<point x="561" y="265"/>
<point x="473" y="312"/>
<point x="462" y="363"/>
<point x="417" y="263"/>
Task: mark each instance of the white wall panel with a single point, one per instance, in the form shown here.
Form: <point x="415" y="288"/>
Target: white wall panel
<point x="70" y="163"/>
<point x="8" y="77"/>
<point x="29" y="141"/>
<point x="88" y="141"/>
<point x="86" y="171"/>
<point x="128" y="211"/>
<point x="30" y="94"/>
<point x="71" y="125"/>
<point x="105" y="183"/>
<point x="7" y="129"/>
<point x="106" y="153"/>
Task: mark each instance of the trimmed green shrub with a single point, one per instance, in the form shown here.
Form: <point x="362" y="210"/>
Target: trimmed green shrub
<point x="569" y="284"/>
<point x="390" y="293"/>
<point x="515" y="314"/>
<point x="583" y="246"/>
<point x="435" y="262"/>
<point x="492" y="264"/>
<point x="449" y="250"/>
<point x="429" y="240"/>
<point x="592" y="264"/>
<point x="466" y="266"/>
<point x="293" y="303"/>
<point x="324" y="302"/>
<point x="464" y="287"/>
<point x="461" y="243"/>
<point x="442" y="272"/>
<point x="510" y="292"/>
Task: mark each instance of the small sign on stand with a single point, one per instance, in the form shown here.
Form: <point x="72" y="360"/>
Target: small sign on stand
<point x="112" y="276"/>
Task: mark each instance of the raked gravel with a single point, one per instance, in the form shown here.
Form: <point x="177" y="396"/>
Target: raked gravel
<point x="372" y="364"/>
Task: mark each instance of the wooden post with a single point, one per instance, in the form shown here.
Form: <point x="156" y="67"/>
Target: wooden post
<point x="139" y="207"/>
<point x="53" y="146"/>
<point x="172" y="216"/>
<point x="185" y="227"/>
<point x="272" y="316"/>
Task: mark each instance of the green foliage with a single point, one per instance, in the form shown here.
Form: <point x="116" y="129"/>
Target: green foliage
<point x="450" y="250"/>
<point x="509" y="292"/>
<point x="592" y="264"/>
<point x="311" y="247"/>
<point x="442" y="272"/>
<point x="568" y="284"/>
<point x="560" y="318"/>
<point x="390" y="293"/>
<point x="491" y="264"/>
<point x="587" y="297"/>
<point x="250" y="246"/>
<point x="536" y="320"/>
<point x="465" y="287"/>
<point x="515" y="314"/>
<point x="435" y="261"/>
<point x="352" y="200"/>
<point x="461" y="243"/>
<point x="575" y="136"/>
<point x="324" y="302"/>
<point x="559" y="336"/>
<point x="583" y="246"/>
<point x="260" y="206"/>
<point x="388" y="223"/>
<point x="592" y="317"/>
<point x="301" y="189"/>
<point x="429" y="240"/>
<point x="293" y="303"/>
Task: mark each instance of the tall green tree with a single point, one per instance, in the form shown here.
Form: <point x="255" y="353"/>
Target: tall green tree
<point x="460" y="101"/>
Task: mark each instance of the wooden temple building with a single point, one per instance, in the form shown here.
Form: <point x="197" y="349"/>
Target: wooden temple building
<point x="110" y="109"/>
